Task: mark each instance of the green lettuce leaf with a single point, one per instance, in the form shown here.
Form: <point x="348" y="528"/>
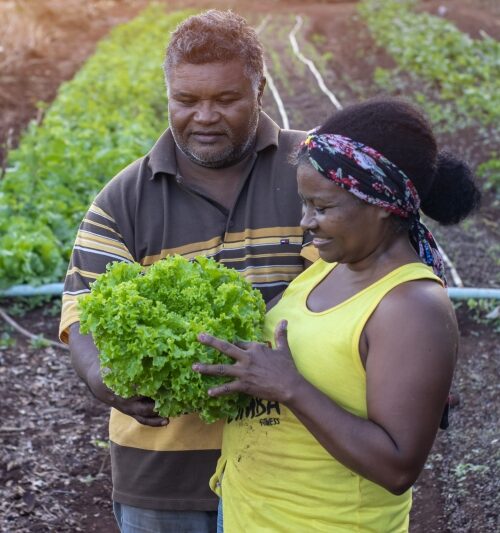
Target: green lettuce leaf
<point x="145" y="323"/>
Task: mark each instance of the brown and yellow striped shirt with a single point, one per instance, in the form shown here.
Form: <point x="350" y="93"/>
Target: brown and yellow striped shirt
<point x="147" y="213"/>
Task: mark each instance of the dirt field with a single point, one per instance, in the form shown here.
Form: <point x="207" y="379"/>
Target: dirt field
<point x="54" y="466"/>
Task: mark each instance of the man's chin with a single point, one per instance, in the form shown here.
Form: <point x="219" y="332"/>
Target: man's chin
<point x="213" y="160"/>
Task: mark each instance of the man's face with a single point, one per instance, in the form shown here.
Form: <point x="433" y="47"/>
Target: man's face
<point x="213" y="112"/>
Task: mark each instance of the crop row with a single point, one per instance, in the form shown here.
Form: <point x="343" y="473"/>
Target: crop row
<point x="462" y="70"/>
<point x="107" y="116"/>
<point x="457" y="77"/>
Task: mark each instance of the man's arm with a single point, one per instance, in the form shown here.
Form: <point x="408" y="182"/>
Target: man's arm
<point x="85" y="360"/>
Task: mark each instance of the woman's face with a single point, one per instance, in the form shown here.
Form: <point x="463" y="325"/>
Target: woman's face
<point x="344" y="229"/>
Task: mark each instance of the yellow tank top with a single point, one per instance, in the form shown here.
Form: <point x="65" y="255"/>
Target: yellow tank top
<point x="273" y="475"/>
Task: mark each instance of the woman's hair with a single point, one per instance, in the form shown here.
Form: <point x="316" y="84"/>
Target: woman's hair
<point x="401" y="133"/>
<point x="216" y="36"/>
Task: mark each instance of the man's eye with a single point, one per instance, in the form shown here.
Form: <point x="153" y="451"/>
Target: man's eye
<point x="320" y="210"/>
<point x="226" y="101"/>
<point x="187" y="102"/>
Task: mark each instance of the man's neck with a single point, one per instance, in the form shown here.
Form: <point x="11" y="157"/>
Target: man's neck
<point x="193" y="171"/>
<point x="220" y="184"/>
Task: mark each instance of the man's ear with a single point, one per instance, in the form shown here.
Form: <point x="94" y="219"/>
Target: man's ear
<point x="260" y="92"/>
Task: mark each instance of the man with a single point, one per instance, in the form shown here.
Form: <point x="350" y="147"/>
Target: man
<point x="218" y="182"/>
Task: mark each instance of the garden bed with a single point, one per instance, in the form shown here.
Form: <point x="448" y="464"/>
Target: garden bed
<point x="54" y="466"/>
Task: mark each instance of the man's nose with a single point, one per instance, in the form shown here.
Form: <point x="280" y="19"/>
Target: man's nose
<point x="206" y="113"/>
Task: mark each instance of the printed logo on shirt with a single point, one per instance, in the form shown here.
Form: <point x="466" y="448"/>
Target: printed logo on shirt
<point x="258" y="408"/>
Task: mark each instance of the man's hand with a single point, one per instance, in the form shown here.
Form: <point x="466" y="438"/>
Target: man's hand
<point x="85" y="360"/>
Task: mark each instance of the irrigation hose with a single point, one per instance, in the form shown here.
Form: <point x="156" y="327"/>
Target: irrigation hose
<point x="13" y="324"/>
<point x="55" y="289"/>
<point x="270" y="82"/>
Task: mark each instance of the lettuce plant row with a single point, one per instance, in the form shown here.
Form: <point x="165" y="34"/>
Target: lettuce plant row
<point x="462" y="70"/>
<point x="107" y="116"/>
<point x="458" y="77"/>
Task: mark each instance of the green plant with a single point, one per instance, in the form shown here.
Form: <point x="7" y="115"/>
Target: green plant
<point x="53" y="308"/>
<point x="20" y="306"/>
<point x="462" y="70"/>
<point x="278" y="72"/>
<point x="6" y="340"/>
<point x="326" y="57"/>
<point x="463" y="470"/>
<point x="100" y="443"/>
<point x="454" y="78"/>
<point x="39" y="342"/>
<point x="485" y="312"/>
<point x="109" y="114"/>
<point x="146" y="323"/>
<point x="490" y="171"/>
<point x="318" y="39"/>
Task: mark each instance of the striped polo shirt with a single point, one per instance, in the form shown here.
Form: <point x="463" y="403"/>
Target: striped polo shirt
<point x="146" y="213"/>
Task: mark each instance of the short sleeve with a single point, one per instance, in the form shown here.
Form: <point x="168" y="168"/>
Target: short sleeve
<point x="98" y="242"/>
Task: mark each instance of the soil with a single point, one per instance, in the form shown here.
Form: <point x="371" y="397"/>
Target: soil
<point x="54" y="464"/>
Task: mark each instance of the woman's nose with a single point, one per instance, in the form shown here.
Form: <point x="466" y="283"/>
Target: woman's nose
<point x="308" y="220"/>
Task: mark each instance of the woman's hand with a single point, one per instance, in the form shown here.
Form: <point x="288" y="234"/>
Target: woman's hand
<point x="258" y="369"/>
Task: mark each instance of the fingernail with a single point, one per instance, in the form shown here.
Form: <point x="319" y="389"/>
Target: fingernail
<point x="164" y="422"/>
<point x="196" y="366"/>
<point x="202" y="337"/>
<point x="210" y="392"/>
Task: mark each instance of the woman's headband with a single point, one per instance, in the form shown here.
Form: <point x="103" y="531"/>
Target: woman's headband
<point x="371" y="177"/>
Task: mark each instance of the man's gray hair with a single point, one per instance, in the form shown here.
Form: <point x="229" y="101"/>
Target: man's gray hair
<point x="216" y="36"/>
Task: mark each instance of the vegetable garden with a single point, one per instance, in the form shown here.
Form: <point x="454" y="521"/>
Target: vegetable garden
<point x="442" y="55"/>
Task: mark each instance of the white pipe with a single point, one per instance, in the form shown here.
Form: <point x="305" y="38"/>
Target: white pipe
<point x="277" y="98"/>
<point x="262" y="25"/>
<point x="473" y="293"/>
<point x="54" y="289"/>
<point x="454" y="274"/>
<point x="310" y="64"/>
<point x="272" y="85"/>
<point x="457" y="280"/>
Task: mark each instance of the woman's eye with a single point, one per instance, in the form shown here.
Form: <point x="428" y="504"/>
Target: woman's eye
<point x="318" y="210"/>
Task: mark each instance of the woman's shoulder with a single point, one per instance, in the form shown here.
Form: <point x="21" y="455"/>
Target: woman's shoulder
<point x="416" y="303"/>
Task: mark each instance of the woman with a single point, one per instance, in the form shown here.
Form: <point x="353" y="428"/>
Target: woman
<point x="349" y="402"/>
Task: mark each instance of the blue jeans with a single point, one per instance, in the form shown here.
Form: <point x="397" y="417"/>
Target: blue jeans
<point x="220" y="521"/>
<point x="136" y="520"/>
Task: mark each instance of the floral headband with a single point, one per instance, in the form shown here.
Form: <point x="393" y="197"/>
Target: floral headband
<point x="371" y="177"/>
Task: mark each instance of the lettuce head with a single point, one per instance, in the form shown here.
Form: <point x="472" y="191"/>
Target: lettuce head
<point x="145" y="324"/>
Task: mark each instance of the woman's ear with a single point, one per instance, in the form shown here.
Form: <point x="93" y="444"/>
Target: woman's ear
<point x="382" y="213"/>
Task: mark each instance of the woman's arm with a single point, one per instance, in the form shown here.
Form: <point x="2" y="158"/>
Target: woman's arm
<point x="411" y="344"/>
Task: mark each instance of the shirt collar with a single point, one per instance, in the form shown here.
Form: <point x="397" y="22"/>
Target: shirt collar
<point x="162" y="155"/>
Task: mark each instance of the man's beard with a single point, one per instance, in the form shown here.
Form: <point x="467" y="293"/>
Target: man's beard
<point x="223" y="158"/>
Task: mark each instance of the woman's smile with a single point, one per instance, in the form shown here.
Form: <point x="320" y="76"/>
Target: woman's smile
<point x="319" y="242"/>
